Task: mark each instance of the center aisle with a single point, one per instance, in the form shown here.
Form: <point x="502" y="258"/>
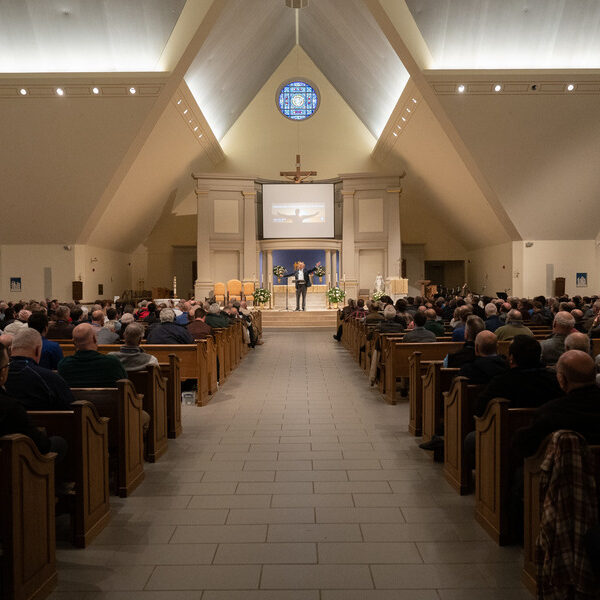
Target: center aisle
<point x="298" y="482"/>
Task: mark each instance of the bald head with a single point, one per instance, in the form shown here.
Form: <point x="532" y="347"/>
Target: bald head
<point x="6" y="340"/>
<point x="98" y="317"/>
<point x="84" y="337"/>
<point x="575" y="369"/>
<point x="486" y="343"/>
<point x="578" y="341"/>
<point x="514" y="316"/>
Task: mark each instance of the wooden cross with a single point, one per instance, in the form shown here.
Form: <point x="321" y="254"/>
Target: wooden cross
<point x="297" y="176"/>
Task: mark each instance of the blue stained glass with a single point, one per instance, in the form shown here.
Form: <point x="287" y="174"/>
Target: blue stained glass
<point x="298" y="100"/>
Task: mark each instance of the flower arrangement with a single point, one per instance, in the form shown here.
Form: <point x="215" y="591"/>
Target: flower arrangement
<point x="335" y="295"/>
<point x="279" y="271"/>
<point x="320" y="271"/>
<point x="262" y="295"/>
<point x="378" y="295"/>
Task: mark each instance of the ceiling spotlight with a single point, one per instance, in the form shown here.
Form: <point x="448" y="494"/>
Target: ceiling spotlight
<point x="60" y="92"/>
<point x="395" y="134"/>
<point x="497" y="87"/>
<point x="95" y="91"/>
<point x="414" y="100"/>
<point x="23" y="92"/>
<point x="408" y="110"/>
<point x="399" y="126"/>
<point x="185" y="112"/>
<point x="132" y="90"/>
<point x="196" y="128"/>
<point x="570" y="87"/>
<point x="199" y="136"/>
<point x="179" y="101"/>
<point x="460" y="88"/>
<point x="403" y="118"/>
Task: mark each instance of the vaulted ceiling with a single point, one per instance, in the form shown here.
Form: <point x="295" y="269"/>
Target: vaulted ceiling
<point x="512" y="153"/>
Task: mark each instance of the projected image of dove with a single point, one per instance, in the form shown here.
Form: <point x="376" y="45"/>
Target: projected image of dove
<point x="298" y="211"/>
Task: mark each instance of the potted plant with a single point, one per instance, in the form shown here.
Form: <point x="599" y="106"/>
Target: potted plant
<point x="335" y="295"/>
<point x="262" y="296"/>
<point x="279" y="272"/>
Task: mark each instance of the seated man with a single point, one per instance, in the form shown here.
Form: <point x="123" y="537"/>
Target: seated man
<point x="88" y="367"/>
<point x="61" y="329"/>
<point x="132" y="357"/>
<point x="553" y="347"/>
<point x="125" y="321"/>
<point x="167" y="331"/>
<point x="183" y="317"/>
<point x="198" y="327"/>
<point x="488" y="363"/>
<point x="215" y="319"/>
<point x="579" y="322"/>
<point x="374" y="316"/>
<point x="104" y="335"/>
<point x="433" y="324"/>
<point x="578" y="409"/>
<point x="577" y="341"/>
<point x="492" y="320"/>
<point x="463" y="312"/>
<point x="52" y="353"/>
<point x="419" y="334"/>
<point x="538" y="316"/>
<point x="14" y="418"/>
<point x="33" y="386"/>
<point x="19" y="323"/>
<point x="111" y="319"/>
<point x="527" y="384"/>
<point x="390" y="325"/>
<point x="514" y="326"/>
<point x="467" y="353"/>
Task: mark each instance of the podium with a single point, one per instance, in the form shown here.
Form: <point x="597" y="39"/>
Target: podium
<point x="423" y="283"/>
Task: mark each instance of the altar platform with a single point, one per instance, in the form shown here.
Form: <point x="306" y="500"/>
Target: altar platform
<point x="309" y="319"/>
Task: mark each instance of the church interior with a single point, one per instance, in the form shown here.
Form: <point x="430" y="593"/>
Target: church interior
<point x="456" y="142"/>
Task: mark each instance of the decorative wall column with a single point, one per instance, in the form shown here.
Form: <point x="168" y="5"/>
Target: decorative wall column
<point x="249" y="263"/>
<point x="394" y="246"/>
<point x="327" y="265"/>
<point x="269" y="277"/>
<point x="348" y="248"/>
<point x="203" y="286"/>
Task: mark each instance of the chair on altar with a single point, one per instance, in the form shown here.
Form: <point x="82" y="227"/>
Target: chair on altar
<point x="220" y="292"/>
<point x="234" y="289"/>
<point x="249" y="291"/>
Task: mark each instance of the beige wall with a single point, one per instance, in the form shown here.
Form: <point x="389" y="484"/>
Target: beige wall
<point x="95" y="266"/>
<point x="489" y="269"/>
<point x="371" y="264"/>
<point x="262" y="142"/>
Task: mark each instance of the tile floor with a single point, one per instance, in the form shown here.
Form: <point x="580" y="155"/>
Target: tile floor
<point x="297" y="482"/>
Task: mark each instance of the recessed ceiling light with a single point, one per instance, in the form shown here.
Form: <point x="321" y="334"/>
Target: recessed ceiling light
<point x="185" y="112"/>
<point x="132" y="90"/>
<point x="179" y="101"/>
<point x="23" y="92"/>
<point x="395" y="134"/>
<point x="497" y="87"/>
<point x="200" y="136"/>
<point x="570" y="87"/>
<point x="95" y="90"/>
<point x="408" y="110"/>
<point x="403" y="119"/>
<point x="60" y="92"/>
<point x="414" y="100"/>
<point x="196" y="128"/>
<point x="399" y="126"/>
<point x="460" y="88"/>
<point x="189" y="120"/>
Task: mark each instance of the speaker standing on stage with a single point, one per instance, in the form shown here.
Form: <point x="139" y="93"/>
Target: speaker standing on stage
<point x="302" y="279"/>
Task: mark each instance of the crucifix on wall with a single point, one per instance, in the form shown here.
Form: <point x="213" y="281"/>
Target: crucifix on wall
<point x="297" y="176"/>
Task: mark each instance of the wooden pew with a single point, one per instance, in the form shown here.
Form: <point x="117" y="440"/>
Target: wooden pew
<point x="223" y="355"/>
<point x="123" y="406"/>
<point x="86" y="463"/>
<point x="396" y="362"/>
<point x="533" y="504"/>
<point x="495" y="466"/>
<point x="153" y="387"/>
<point x="435" y="382"/>
<point x="416" y="369"/>
<point x="459" y="408"/>
<point x="27" y="522"/>
<point x="171" y="371"/>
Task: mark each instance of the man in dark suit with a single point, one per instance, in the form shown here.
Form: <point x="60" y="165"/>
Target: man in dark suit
<point x="302" y="280"/>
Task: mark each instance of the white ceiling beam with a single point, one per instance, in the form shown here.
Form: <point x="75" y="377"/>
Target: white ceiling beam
<point x="184" y="44"/>
<point x="396" y="22"/>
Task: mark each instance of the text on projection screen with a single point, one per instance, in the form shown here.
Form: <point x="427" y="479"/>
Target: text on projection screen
<point x="298" y="211"/>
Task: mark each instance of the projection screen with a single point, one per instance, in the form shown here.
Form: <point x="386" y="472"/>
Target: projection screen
<point x="298" y="210"/>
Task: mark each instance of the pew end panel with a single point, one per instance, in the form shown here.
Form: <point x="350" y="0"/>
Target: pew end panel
<point x="123" y="406"/>
<point x="153" y="388"/>
<point x="86" y="463"/>
<point x="436" y="380"/>
<point x="459" y="408"/>
<point x="495" y="466"/>
<point x="172" y="372"/>
<point x="27" y="521"/>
